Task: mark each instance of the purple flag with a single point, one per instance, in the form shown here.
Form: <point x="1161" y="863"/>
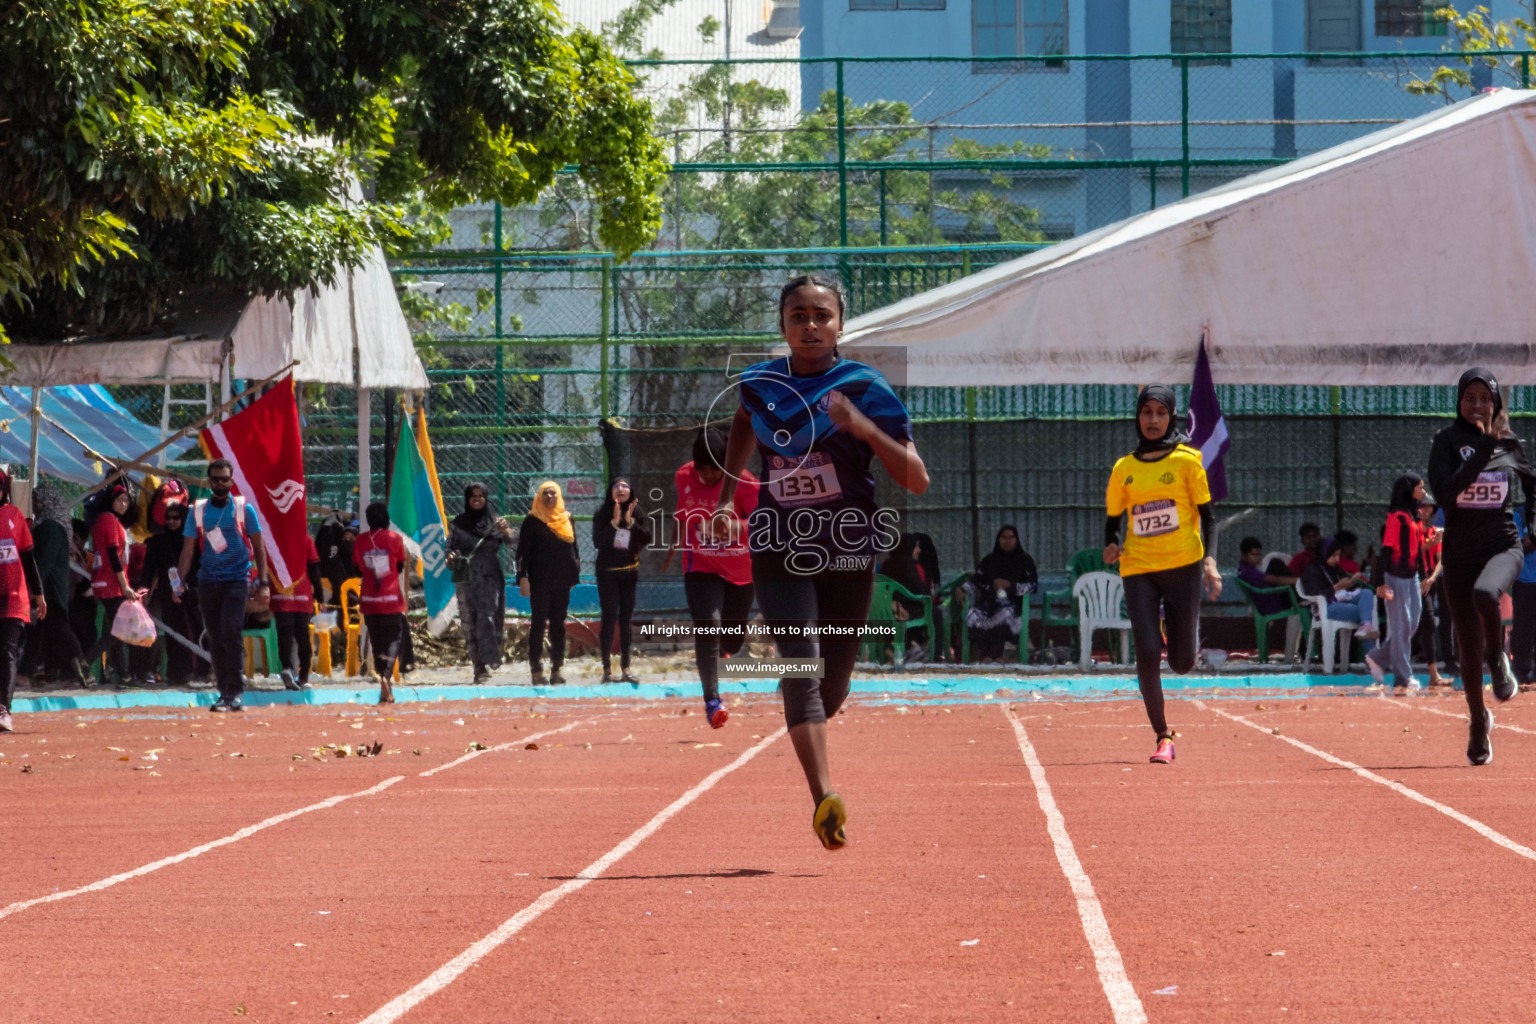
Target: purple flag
<point x="1207" y="430"/>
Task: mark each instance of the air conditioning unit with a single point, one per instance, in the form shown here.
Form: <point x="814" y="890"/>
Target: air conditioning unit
<point x="784" y="20"/>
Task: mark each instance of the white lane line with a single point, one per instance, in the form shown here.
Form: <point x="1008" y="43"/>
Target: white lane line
<point x="445" y="975"/>
<point x="1412" y="794"/>
<point x="500" y="746"/>
<point x="1123" y="1001"/>
<point x="1501" y="727"/>
<point x="166" y="862"/>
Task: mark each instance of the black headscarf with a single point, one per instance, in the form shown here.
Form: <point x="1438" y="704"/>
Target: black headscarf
<point x="1149" y="448"/>
<point x="605" y="510"/>
<point x="1475" y="374"/>
<point x="478" y="522"/>
<point x="1013" y="566"/>
<point x="1402" y="494"/>
<point x="899" y="564"/>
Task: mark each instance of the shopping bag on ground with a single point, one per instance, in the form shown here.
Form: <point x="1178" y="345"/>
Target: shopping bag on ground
<point x="132" y="625"/>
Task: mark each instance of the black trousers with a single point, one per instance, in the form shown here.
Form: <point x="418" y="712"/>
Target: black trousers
<point x="1168" y="597"/>
<point x="223" y="605"/>
<point x="106" y="643"/>
<point x="1472" y="593"/>
<point x="293" y="645"/>
<point x="10" y="657"/>
<point x="384" y="632"/>
<point x="51" y="645"/>
<point x="616" y="595"/>
<point x="186" y="618"/>
<point x="547" y="606"/>
<point x="795" y="608"/>
<point x="1522" y="635"/>
<point x="719" y="610"/>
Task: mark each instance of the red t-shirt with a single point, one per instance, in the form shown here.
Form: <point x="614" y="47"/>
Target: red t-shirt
<point x="1299" y="562"/>
<point x="378" y="553"/>
<point x="302" y="597"/>
<point x="15" y="537"/>
<point x="107" y="533"/>
<point x="695" y="504"/>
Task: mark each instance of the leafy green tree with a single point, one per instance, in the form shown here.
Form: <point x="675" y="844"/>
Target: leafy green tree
<point x="151" y="147"/>
<point x="1473" y="33"/>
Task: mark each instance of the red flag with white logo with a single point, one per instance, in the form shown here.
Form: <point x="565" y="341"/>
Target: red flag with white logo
<point x="262" y="442"/>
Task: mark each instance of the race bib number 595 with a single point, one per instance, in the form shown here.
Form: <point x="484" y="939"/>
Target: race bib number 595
<point x="1489" y="491"/>
<point x="1155" y="518"/>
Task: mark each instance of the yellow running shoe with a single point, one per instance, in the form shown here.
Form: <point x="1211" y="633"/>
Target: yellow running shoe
<point x="831" y="814"/>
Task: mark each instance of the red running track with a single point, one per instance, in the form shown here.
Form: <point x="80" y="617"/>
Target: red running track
<point x="951" y="902"/>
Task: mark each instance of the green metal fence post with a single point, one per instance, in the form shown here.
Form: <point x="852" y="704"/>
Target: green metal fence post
<point x="1152" y="177"/>
<point x="501" y="365"/>
<point x="970" y="446"/>
<point x="842" y="163"/>
<point x="1184" y="118"/>
<point x="1525" y="71"/>
<point x="882" y="206"/>
<point x="1338" y="458"/>
<point x="604" y="328"/>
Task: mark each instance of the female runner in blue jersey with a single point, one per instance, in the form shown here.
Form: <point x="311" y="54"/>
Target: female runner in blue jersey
<point x="816" y="420"/>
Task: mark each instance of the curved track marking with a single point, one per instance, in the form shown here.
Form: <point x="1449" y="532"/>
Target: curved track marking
<point x="446" y="974"/>
<point x="500" y="746"/>
<point x="1492" y="835"/>
<point x="1123" y="1001"/>
<point x="166" y="862"/>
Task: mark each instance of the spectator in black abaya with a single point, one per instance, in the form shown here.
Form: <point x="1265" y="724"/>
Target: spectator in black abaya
<point x="1000" y="585"/>
<point x="619" y="533"/>
<point x="475" y="538"/>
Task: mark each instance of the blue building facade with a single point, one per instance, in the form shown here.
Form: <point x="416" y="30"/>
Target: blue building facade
<point x="1237" y="109"/>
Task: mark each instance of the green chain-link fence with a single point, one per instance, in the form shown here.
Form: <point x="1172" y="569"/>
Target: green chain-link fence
<point x="894" y="176"/>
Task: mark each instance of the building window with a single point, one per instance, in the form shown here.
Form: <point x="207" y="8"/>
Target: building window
<point x="896" y="5"/>
<point x="1200" y="26"/>
<point x="1024" y="28"/>
<point x="1408" y="18"/>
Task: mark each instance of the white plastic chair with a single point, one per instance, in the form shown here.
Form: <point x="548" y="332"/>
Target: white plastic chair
<point x="1328" y="629"/>
<point x="1100" y="603"/>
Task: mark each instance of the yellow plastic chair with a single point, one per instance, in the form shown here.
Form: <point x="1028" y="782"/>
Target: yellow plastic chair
<point x="320" y="643"/>
<point x="352" y="589"/>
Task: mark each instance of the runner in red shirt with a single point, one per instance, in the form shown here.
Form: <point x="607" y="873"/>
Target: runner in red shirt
<point x="717" y="576"/>
<point x="380" y="554"/>
<point x="21" y="594"/>
<point x="292" y="611"/>
<point x="109" y="581"/>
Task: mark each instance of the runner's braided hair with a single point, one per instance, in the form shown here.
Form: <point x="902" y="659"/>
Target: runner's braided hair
<point x="831" y="284"/>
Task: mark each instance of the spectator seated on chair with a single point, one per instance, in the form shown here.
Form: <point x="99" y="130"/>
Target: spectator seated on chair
<point x="910" y="565"/>
<point x="1311" y="548"/>
<point x="1251" y="556"/>
<point x="1348" y="598"/>
<point x="1000" y="585"/>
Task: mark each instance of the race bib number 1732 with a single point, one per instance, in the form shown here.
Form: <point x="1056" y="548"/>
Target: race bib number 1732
<point x="1155" y="518"/>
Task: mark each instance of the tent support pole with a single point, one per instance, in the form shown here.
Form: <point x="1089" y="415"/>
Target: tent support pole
<point x="36" y="418"/>
<point x="364" y="457"/>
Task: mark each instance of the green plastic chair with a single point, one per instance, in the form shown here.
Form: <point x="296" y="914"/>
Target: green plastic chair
<point x="880" y="614"/>
<point x="270" y="663"/>
<point x="1085" y="561"/>
<point x="1261" y="621"/>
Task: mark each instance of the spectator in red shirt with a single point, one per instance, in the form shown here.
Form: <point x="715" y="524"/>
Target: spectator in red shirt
<point x="1311" y="548"/>
<point x="109" y="580"/>
<point x="292" y="610"/>
<point x="21" y="594"/>
<point x="380" y="554"/>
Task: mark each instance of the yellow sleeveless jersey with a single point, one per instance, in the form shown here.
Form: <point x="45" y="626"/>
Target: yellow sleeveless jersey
<point x="1162" y="498"/>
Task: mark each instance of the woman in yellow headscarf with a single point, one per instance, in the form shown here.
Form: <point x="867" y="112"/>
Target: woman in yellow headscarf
<point x="548" y="566"/>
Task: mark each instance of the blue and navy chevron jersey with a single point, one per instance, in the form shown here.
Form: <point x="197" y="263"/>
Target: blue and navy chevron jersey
<point x="811" y="470"/>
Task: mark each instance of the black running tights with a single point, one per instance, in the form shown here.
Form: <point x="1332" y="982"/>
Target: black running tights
<point x="1168" y="597"/>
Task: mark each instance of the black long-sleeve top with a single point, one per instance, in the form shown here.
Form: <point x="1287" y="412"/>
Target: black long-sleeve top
<point x="611" y="559"/>
<point x="544" y="559"/>
<point x="1473" y="477"/>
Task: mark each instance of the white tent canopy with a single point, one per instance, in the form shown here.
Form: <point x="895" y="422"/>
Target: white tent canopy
<point x="356" y="322"/>
<point x="1399" y="258"/>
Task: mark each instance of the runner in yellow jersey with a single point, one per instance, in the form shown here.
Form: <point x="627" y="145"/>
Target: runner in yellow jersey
<point x="1160" y="490"/>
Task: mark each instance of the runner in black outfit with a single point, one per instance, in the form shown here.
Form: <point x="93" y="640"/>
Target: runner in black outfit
<point x="1473" y="466"/>
<point x="817" y="420"/>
